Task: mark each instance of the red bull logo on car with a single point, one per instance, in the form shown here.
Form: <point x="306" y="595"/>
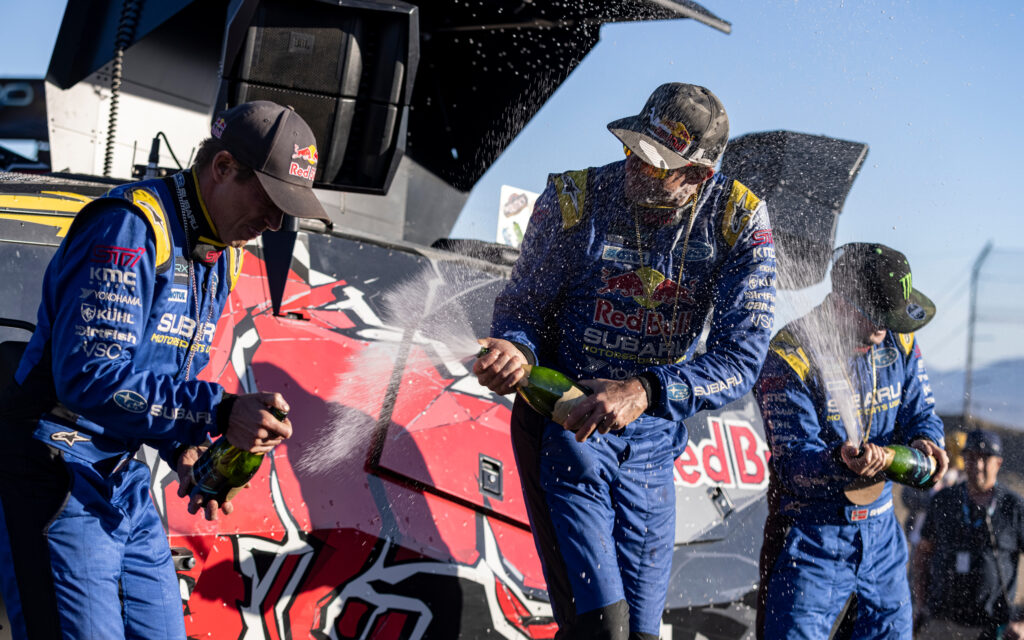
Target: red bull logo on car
<point x="733" y="455"/>
<point x="649" y="287"/>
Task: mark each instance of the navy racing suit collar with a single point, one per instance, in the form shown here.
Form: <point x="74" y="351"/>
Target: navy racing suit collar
<point x="203" y="243"/>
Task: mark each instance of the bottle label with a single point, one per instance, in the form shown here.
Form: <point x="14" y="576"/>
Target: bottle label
<point x="565" y="404"/>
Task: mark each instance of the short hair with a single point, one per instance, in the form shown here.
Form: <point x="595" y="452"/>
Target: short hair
<point x="211" y="147"/>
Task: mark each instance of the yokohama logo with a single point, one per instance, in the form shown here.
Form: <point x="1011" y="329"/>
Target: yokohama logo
<point x="117" y="256"/>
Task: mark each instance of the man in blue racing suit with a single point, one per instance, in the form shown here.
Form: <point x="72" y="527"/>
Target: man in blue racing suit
<point x="619" y="269"/>
<point x="838" y="385"/>
<point x="129" y="306"/>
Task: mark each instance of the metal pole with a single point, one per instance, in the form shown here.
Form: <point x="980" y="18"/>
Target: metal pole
<point x="973" y="312"/>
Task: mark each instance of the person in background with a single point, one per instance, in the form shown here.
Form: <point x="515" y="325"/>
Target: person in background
<point x="966" y="564"/>
<point x="825" y="547"/>
<point x="129" y="306"/>
<point x="620" y="266"/>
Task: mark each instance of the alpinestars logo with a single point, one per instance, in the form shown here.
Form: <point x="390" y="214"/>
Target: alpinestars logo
<point x="68" y="437"/>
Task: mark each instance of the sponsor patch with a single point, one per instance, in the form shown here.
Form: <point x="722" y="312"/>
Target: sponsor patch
<point x="117" y="256"/>
<point x="109" y="350"/>
<point x="622" y="254"/>
<point x="916" y="311"/>
<point x="130" y="401"/>
<point x="885" y="357"/>
<point x="68" y="437"/>
<point x="180" y="270"/>
<point x="678" y="392"/>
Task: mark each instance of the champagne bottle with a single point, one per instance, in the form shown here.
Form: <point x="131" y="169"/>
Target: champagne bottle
<point x="548" y="392"/>
<point x="223" y="469"/>
<point x="911" y="467"/>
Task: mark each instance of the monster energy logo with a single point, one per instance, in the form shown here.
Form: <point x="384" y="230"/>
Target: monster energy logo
<point x="907" y="287"/>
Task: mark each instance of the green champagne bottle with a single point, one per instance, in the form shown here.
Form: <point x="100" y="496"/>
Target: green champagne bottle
<point x="548" y="392"/>
<point x="223" y="469"/>
<point x="911" y="467"/>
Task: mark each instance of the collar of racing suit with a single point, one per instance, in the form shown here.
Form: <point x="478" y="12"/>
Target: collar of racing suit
<point x="203" y="241"/>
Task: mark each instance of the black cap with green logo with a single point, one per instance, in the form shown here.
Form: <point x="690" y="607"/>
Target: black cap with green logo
<point x="877" y="279"/>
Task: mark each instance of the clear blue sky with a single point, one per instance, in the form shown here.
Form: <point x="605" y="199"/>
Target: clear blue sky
<point x="934" y="87"/>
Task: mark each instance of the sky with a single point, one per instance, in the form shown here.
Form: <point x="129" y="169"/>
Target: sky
<point x="934" y="88"/>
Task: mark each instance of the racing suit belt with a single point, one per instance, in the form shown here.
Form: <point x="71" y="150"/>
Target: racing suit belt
<point x="850" y="514"/>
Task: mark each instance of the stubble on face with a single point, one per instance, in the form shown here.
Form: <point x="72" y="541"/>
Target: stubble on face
<point x="675" y="190"/>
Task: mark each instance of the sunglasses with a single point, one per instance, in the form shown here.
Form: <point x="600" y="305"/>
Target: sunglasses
<point x="692" y="172"/>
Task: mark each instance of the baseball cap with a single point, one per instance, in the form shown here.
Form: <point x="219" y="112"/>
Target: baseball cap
<point x="987" y="443"/>
<point x="276" y="143"/>
<point x="680" y="124"/>
<point x="877" y="279"/>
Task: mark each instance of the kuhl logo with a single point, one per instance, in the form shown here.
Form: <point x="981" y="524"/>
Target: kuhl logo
<point x="131" y="401"/>
<point x="88" y="312"/>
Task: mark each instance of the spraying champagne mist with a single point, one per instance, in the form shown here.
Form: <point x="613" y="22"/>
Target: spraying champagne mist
<point x="418" y="326"/>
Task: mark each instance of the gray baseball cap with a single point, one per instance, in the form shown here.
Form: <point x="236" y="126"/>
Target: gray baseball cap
<point x="279" y="146"/>
<point x="681" y="124"/>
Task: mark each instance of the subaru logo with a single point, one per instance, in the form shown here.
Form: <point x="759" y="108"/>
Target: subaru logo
<point x="678" y="391"/>
<point x="131" y="401"/>
<point x="885" y="357"/>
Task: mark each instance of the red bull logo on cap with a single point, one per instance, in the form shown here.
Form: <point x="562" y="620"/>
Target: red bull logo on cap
<point x="671" y="133"/>
<point x="217" y="130"/>
<point x="308" y="154"/>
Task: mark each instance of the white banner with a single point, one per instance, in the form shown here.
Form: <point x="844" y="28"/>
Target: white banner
<point x="514" y="211"/>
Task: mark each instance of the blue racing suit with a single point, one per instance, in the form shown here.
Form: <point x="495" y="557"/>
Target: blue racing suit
<point x="819" y="548"/>
<point x="601" y="290"/>
<point x="129" y="306"/>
